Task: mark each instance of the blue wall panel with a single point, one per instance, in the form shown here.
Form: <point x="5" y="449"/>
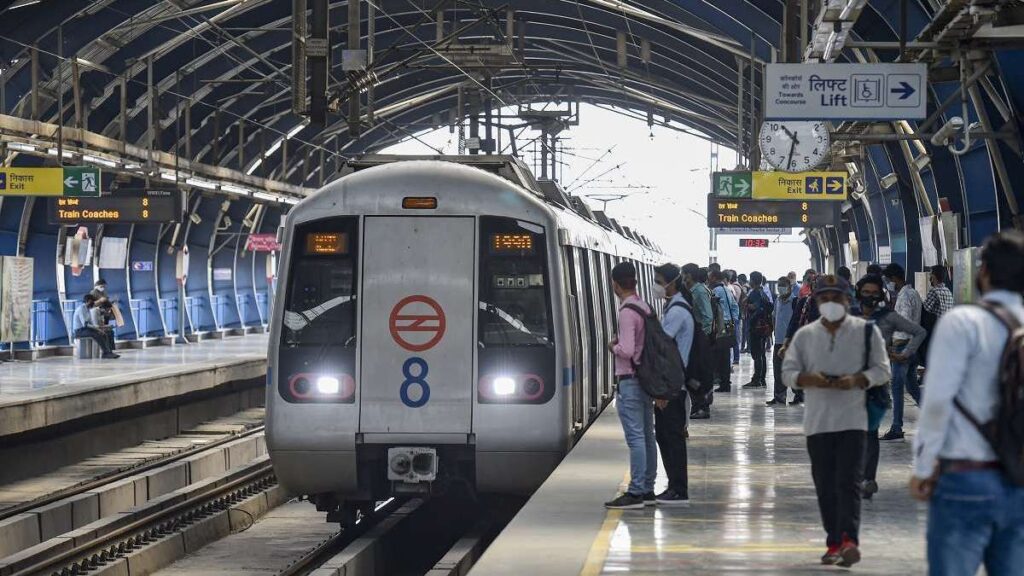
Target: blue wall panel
<point x="143" y="249"/>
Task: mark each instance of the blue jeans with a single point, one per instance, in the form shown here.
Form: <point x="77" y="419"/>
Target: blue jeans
<point x="636" y="412"/>
<point x="976" y="517"/>
<point x="736" y="347"/>
<point x="904" y="377"/>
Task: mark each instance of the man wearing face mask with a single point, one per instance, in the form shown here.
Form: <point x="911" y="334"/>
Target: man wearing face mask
<point x="904" y="364"/>
<point x="783" y="314"/>
<point x="693" y="279"/>
<point x="834" y="360"/>
<point x="670" y="415"/>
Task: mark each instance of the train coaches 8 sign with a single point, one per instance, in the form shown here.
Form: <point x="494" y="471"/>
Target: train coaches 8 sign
<point x="741" y="213"/>
<point x="121" y="207"/>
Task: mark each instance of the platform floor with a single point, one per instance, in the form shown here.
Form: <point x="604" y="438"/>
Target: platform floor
<point x="753" y="508"/>
<point x="60" y="375"/>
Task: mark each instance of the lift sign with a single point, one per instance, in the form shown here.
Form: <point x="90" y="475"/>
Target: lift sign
<point x="417" y="324"/>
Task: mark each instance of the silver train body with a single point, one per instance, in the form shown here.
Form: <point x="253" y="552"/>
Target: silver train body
<point x="436" y="324"/>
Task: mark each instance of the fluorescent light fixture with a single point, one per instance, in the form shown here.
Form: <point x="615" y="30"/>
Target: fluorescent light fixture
<point x="889" y="180"/>
<point x="504" y="386"/>
<point x="169" y="176"/>
<point x="254" y="166"/>
<point x="235" y="189"/>
<point x="266" y="196"/>
<point x="100" y="161"/>
<point x="296" y="130"/>
<point x="830" y="45"/>
<point x="328" y="385"/>
<point x="199" y="183"/>
<point x="273" y="148"/>
<point x="291" y="200"/>
<point x="64" y="153"/>
<point x="133" y="166"/>
<point x="21" y="147"/>
<point x="22" y="4"/>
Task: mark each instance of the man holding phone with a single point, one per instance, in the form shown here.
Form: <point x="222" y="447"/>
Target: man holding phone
<point x="834" y="360"/>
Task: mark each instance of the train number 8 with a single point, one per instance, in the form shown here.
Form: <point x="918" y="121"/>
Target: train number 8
<point x="419" y="379"/>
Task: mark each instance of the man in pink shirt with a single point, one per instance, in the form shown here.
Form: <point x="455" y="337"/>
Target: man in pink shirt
<point x="635" y="407"/>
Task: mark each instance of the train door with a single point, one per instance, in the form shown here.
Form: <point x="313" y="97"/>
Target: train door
<point x="586" y="340"/>
<point x="418" y="336"/>
<point x="576" y="335"/>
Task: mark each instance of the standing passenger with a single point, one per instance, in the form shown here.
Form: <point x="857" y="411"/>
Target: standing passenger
<point x="723" y="345"/>
<point x="976" y="511"/>
<point x="670" y="416"/>
<point x="783" y="313"/>
<point x="904" y="372"/>
<point x="635" y="407"/>
<point x="830" y="360"/>
<point x="759" y="322"/>
<point x="693" y="279"/>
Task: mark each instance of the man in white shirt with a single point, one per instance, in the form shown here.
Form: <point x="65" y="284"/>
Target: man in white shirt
<point x="904" y="367"/>
<point x="976" y="513"/>
<point x="85" y="326"/>
<point x="829" y="359"/>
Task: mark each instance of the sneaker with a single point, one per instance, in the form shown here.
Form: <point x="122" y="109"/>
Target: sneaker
<point x="626" y="502"/>
<point x="724" y="388"/>
<point x="752" y="384"/>
<point x="649" y="499"/>
<point x="796" y="401"/>
<point x="774" y="402"/>
<point x="700" y="414"/>
<point x="849" y="553"/>
<point x="831" y="556"/>
<point x="868" y="488"/>
<point x="672" y="498"/>
<point x="892" y="435"/>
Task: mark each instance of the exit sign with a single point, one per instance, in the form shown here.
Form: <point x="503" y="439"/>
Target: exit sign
<point x="753" y="242"/>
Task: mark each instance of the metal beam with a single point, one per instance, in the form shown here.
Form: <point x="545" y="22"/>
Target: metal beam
<point x="354" y="41"/>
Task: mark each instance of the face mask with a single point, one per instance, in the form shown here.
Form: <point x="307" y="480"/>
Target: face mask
<point x="784" y="290"/>
<point x="101" y="288"/>
<point x="871" y="301"/>
<point x="832" y="311"/>
<point x="659" y="292"/>
<point x="890" y="286"/>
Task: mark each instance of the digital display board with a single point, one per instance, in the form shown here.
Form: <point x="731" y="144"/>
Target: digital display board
<point x="742" y="213"/>
<point x="511" y="242"/>
<point x="754" y="242"/>
<point x="326" y="243"/>
<point x="123" y="206"/>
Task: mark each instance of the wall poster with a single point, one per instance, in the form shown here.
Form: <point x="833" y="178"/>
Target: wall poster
<point x="16" y="299"/>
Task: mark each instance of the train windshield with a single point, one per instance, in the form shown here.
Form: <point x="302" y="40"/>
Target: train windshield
<point x="514" y="301"/>
<point x="321" y="293"/>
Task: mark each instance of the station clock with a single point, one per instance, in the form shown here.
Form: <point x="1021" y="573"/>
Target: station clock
<point x="794" y="146"/>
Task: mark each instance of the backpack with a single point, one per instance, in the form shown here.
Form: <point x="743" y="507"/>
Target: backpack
<point x="698" y="369"/>
<point x="722" y="328"/>
<point x="764" y="326"/>
<point x="660" y="370"/>
<point x="1006" y="431"/>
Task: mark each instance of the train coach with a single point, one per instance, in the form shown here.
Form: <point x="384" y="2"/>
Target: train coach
<point x="439" y="322"/>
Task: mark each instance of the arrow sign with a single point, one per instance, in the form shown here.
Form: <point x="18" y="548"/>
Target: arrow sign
<point x="905" y="90"/>
<point x="70" y="182"/>
<point x="81" y="181"/>
<point x="835" y="185"/>
<point x="743" y="186"/>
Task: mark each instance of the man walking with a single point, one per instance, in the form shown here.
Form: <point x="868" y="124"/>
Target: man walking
<point x="904" y="367"/>
<point x="835" y="360"/>
<point x="670" y="415"/>
<point x="635" y="407"/>
<point x="976" y="512"/>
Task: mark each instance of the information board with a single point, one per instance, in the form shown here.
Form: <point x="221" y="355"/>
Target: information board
<point x="836" y="91"/>
<point x="754" y="242"/>
<point x="124" y="206"/>
<point x="67" y="181"/>
<point x="740" y="213"/>
<point x="775" y="185"/>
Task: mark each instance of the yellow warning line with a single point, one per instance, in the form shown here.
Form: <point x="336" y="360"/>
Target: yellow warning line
<point x="599" y="549"/>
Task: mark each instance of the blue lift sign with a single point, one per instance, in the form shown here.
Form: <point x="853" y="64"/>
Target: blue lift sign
<point x="846" y="91"/>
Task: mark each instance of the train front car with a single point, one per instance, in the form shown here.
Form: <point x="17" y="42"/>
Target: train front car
<point x="416" y="345"/>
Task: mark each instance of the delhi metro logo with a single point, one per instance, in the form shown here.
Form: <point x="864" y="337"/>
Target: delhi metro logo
<point x="417" y="323"/>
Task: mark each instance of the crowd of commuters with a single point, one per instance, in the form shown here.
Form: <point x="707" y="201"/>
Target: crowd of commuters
<point x="849" y="351"/>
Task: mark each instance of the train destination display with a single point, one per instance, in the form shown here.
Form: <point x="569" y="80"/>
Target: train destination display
<point x="123" y="206"/>
<point x="742" y="213"/>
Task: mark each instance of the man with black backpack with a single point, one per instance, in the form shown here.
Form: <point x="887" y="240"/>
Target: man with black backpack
<point x="727" y="317"/>
<point x="969" y="448"/>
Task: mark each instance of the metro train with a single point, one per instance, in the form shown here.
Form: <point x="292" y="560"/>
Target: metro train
<point x="439" y="322"/>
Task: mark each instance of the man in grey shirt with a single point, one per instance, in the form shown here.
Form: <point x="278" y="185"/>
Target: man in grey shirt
<point x="829" y="360"/>
<point x="904" y="371"/>
<point x="976" y="512"/>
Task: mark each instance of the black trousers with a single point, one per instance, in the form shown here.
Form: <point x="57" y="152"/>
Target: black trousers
<point x="837" y="466"/>
<point x="871" y="454"/>
<point x="780" y="387"/>
<point x="722" y="363"/>
<point x="758" y="352"/>
<point x="99" y="336"/>
<point x="670" y="432"/>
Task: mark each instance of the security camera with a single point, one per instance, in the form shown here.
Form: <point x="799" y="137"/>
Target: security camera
<point x="195" y="218"/>
<point x="226" y="221"/>
<point x="947" y="133"/>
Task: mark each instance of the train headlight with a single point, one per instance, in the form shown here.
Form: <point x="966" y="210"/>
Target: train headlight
<point x="504" y="386"/>
<point x="328" y="385"/>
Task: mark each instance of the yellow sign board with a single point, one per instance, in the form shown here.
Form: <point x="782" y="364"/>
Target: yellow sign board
<point x="31" y="181"/>
<point x="799" y="186"/>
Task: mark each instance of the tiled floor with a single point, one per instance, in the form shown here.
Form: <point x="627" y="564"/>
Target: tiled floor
<point x="48" y="377"/>
<point x="753" y="505"/>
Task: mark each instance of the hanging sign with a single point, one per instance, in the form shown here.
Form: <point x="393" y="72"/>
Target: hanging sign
<point x="67" y="181"/>
<point x="262" y="243"/>
<point x="836" y="91"/>
<point x="776" y="185"/>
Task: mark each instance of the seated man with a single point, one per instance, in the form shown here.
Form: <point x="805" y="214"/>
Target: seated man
<point x="85" y="326"/>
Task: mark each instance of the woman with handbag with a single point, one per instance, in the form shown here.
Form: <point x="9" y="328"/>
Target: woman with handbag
<point x="873" y="307"/>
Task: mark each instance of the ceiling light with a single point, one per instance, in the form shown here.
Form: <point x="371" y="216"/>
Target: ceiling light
<point x="100" y="161"/>
<point x="235" y="189"/>
<point x="22" y="3"/>
<point x="273" y="148"/>
<point x="266" y="196"/>
<point x="254" y="166"/>
<point x="21" y="147"/>
<point x="64" y="153"/>
<point x="297" y="129"/>
<point x="199" y="183"/>
<point x="889" y="180"/>
<point x="291" y="200"/>
<point x="169" y="176"/>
